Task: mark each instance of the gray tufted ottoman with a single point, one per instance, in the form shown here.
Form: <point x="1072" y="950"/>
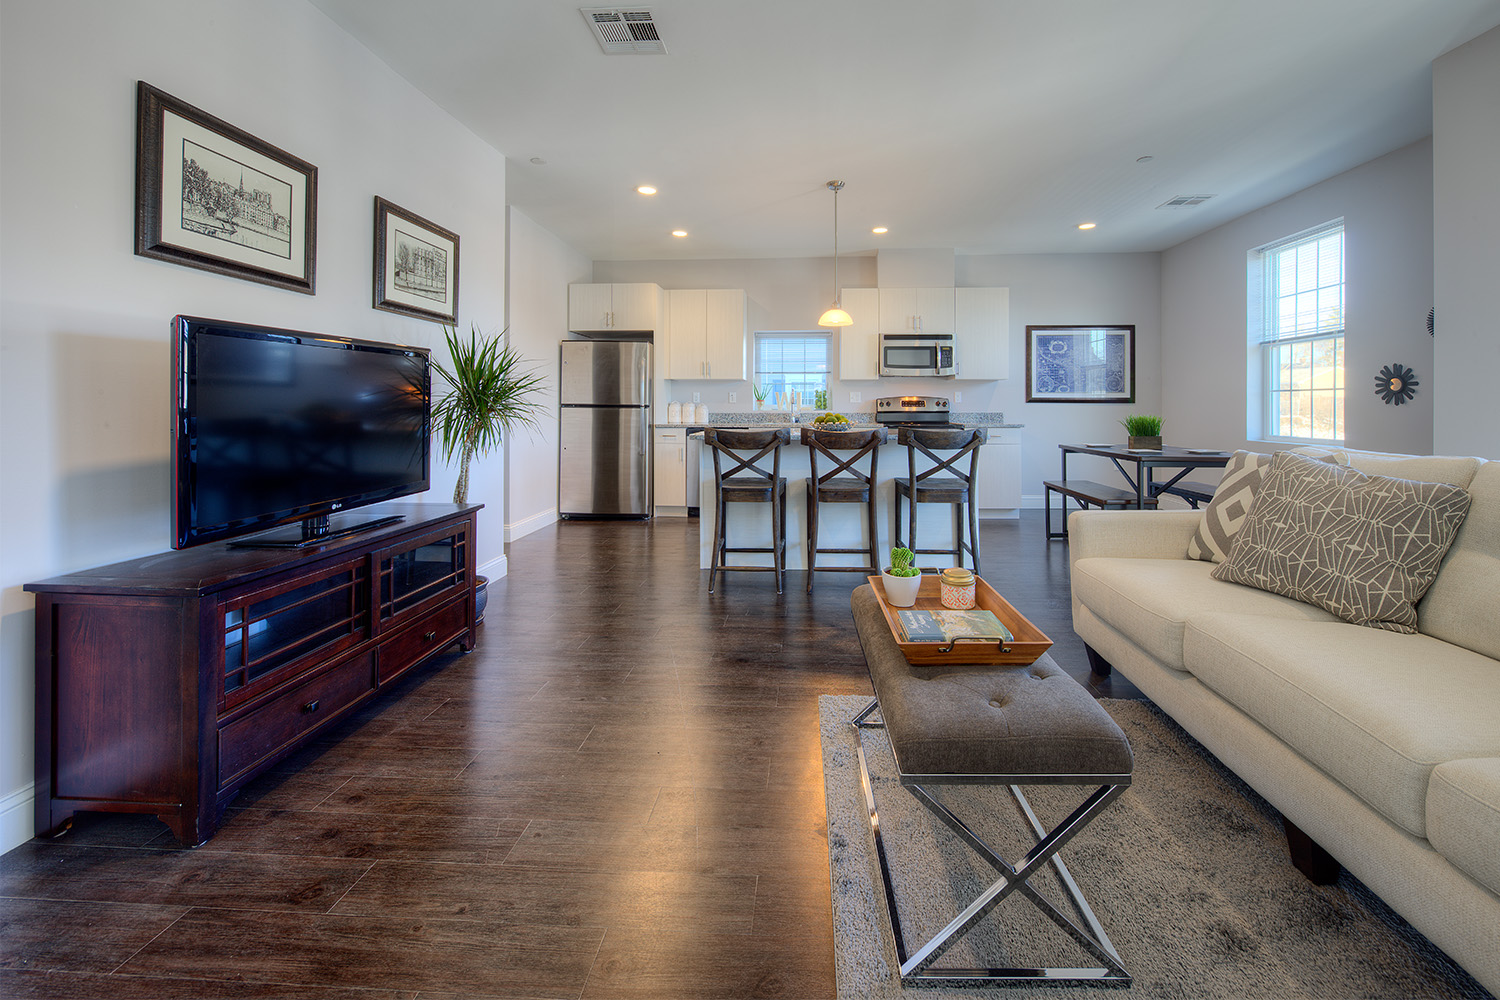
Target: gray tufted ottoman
<point x="1015" y="726"/>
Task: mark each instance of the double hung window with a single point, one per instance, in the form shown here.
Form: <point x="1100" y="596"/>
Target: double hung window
<point x="1301" y="335"/>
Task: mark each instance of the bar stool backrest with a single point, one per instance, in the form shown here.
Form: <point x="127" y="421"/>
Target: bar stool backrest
<point x="734" y="446"/>
<point x="827" y="443"/>
<point x="930" y="441"/>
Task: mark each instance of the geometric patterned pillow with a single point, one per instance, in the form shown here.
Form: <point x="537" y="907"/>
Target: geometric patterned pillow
<point x="1226" y="511"/>
<point x="1365" y="548"/>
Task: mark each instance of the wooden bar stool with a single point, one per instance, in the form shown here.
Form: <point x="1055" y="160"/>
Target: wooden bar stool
<point x="957" y="488"/>
<point x="746" y="482"/>
<point x="842" y="484"/>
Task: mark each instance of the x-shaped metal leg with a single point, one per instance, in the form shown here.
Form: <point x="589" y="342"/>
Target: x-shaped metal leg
<point x="917" y="966"/>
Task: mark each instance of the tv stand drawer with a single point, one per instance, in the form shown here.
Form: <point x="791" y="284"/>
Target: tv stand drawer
<point x="400" y="653"/>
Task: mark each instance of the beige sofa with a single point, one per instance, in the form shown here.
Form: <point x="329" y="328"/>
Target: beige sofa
<point x="1383" y="748"/>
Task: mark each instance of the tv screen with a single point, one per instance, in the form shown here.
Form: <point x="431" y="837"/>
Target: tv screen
<point x="275" y="426"/>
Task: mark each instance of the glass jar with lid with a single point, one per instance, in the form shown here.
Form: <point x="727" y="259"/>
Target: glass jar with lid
<point x="957" y="586"/>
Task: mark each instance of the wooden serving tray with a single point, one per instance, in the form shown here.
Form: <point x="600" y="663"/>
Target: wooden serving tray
<point x="1030" y="642"/>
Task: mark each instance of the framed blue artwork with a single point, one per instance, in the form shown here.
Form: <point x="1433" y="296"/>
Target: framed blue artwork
<point x="1080" y="364"/>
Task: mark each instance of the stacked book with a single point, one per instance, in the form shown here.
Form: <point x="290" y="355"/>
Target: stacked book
<point x="946" y="626"/>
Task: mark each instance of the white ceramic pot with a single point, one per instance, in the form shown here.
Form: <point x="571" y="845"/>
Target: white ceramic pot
<point x="900" y="591"/>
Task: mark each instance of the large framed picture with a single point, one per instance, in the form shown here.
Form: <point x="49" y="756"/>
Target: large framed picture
<point x="416" y="265"/>
<point x="211" y="196"/>
<point x="1080" y="364"/>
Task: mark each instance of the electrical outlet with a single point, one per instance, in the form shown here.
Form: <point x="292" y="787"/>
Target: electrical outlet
<point x="697" y="397"/>
<point x="958" y="397"/>
<point x="734" y="397"/>
<point x="856" y="397"/>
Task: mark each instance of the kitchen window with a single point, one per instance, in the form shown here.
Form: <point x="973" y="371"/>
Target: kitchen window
<point x="792" y="362"/>
<point x="1299" y="282"/>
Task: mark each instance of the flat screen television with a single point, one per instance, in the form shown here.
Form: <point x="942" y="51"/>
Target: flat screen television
<point x="275" y="426"/>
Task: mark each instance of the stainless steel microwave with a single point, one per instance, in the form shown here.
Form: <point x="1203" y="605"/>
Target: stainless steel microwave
<point x="928" y="354"/>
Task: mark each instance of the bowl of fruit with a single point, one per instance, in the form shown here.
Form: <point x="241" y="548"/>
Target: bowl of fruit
<point x="831" y="422"/>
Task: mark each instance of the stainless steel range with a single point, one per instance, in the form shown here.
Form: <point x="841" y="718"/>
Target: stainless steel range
<point x="914" y="411"/>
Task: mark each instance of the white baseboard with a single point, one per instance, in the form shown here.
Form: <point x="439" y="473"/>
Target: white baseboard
<point x="494" y="569"/>
<point x="527" y="525"/>
<point x="17" y="818"/>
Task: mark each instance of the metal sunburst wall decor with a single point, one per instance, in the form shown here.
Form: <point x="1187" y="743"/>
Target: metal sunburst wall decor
<point x="1396" y="384"/>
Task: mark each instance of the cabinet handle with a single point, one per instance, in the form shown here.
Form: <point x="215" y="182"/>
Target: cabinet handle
<point x="310" y="707"/>
<point x="429" y="636"/>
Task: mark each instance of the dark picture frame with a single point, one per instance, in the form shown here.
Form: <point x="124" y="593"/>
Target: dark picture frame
<point x="1080" y="364"/>
<point x="215" y="197"/>
<point x="416" y="265"/>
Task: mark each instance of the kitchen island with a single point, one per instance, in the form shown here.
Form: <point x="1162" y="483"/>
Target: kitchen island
<point x="843" y="525"/>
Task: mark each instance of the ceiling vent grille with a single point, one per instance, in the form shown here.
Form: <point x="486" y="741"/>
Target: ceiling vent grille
<point x="1185" y="201"/>
<point x="624" y="30"/>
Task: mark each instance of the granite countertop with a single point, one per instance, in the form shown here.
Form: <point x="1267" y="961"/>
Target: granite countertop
<point x="774" y="418"/>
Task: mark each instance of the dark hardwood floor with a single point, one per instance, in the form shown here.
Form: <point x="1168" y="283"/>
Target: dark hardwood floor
<point x="619" y="793"/>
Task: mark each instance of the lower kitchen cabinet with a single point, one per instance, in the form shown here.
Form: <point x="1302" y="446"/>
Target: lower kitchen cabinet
<point x="163" y="684"/>
<point x="670" y="467"/>
<point x="1000" y="472"/>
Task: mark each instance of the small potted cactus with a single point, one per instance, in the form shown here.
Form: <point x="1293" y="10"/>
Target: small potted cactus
<point x="901" y="579"/>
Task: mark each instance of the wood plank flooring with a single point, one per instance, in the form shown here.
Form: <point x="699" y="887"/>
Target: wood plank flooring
<point x="618" y="794"/>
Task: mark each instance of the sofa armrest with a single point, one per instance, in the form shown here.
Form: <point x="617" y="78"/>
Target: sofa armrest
<point x="1131" y="534"/>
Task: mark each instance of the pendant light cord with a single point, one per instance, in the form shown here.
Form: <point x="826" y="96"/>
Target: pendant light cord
<point x="838" y="297"/>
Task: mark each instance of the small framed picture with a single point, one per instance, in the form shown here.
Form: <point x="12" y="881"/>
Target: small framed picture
<point x="211" y="196"/>
<point x="1080" y="364"/>
<point x="416" y="265"/>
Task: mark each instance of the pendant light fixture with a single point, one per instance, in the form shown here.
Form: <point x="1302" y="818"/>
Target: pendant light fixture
<point x="836" y="315"/>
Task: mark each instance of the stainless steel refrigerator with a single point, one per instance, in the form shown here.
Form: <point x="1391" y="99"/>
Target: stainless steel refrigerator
<point x="604" y="461"/>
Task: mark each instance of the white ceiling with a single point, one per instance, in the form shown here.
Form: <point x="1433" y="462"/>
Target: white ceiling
<point x="984" y="126"/>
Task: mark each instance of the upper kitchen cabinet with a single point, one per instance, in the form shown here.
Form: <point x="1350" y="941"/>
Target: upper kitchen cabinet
<point x="916" y="310"/>
<point x="706" y="333"/>
<point x="859" y="343"/>
<point x="981" y="332"/>
<point x="634" y="306"/>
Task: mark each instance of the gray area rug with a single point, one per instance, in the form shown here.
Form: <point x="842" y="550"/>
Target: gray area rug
<point x="1187" y="872"/>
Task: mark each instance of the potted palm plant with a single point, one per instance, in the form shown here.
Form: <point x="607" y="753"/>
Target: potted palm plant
<point x="491" y="390"/>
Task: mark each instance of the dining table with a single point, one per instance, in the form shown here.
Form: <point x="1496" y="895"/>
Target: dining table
<point x="1146" y="462"/>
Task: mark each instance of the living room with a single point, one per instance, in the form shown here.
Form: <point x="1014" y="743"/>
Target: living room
<point x="84" y="333"/>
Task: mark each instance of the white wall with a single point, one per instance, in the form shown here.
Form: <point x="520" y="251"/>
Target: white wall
<point x="84" y="349"/>
<point x="1466" y="252"/>
<point x="790" y="294"/>
<point x="541" y="268"/>
<point x="1386" y="205"/>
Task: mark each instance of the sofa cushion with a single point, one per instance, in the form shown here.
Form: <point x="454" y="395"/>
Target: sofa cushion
<point x="1452" y="469"/>
<point x="1149" y="600"/>
<point x="1364" y="547"/>
<point x="1463" y="817"/>
<point x="1225" y="514"/>
<point x="1374" y="710"/>
<point x="1463" y="603"/>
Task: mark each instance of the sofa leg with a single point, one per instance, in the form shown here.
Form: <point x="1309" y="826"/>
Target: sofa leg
<point x="1097" y="663"/>
<point x="1320" y="867"/>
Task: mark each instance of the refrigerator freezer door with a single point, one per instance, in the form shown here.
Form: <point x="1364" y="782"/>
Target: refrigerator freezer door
<point x="605" y="461"/>
<point x="605" y="373"/>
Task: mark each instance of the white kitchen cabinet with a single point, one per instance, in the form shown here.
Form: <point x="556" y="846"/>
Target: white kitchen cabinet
<point x="999" y="485"/>
<point x="916" y="310"/>
<point x="859" y="343"/>
<point x="705" y="333"/>
<point x="632" y="306"/>
<point x="981" y="333"/>
<point x="670" y="467"/>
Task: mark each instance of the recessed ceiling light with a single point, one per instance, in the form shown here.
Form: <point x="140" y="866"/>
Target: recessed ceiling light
<point x="646" y="189"/>
<point x="1087" y="225"/>
<point x="679" y="232"/>
<point x="880" y="229"/>
<point x="1144" y="159"/>
<point x="538" y="161"/>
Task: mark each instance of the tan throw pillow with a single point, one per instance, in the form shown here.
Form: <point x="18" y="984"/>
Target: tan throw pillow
<point x="1365" y="548"/>
<point x="1225" y="513"/>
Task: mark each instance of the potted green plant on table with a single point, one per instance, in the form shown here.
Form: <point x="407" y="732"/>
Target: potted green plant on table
<point x="901" y="579"/>
<point x="760" y="396"/>
<point x="491" y="390"/>
<point x="1144" y="432"/>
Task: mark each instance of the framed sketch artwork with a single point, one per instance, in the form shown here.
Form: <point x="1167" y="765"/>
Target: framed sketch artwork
<point x="416" y="265"/>
<point x="1080" y="364"/>
<point x="211" y="196"/>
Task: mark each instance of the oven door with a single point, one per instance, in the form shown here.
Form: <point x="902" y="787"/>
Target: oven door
<point x="916" y="354"/>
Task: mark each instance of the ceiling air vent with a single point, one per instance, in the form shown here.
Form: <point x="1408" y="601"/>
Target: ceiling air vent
<point x="1185" y="201"/>
<point x="624" y="30"/>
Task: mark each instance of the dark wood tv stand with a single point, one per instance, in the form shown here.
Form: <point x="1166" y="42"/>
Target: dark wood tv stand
<point x="164" y="683"/>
